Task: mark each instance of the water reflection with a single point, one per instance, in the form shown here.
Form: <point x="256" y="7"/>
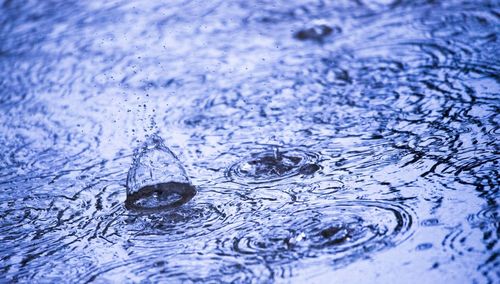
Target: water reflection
<point x="326" y="139"/>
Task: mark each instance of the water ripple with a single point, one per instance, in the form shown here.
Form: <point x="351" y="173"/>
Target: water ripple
<point x="333" y="231"/>
<point x="274" y="165"/>
<point x="317" y="133"/>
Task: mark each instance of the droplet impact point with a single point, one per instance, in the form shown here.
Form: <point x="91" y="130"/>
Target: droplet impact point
<point x="157" y="180"/>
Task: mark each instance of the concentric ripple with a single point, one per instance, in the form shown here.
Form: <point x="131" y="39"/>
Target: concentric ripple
<point x="196" y="221"/>
<point x="181" y="268"/>
<point x="273" y="165"/>
<point x="337" y="232"/>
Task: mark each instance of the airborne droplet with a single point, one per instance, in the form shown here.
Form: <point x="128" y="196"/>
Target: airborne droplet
<point x="157" y="180"/>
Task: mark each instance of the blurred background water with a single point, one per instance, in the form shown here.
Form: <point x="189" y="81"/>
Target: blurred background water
<point x="342" y="141"/>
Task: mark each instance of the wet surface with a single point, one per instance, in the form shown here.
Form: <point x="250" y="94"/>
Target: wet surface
<point x="345" y="140"/>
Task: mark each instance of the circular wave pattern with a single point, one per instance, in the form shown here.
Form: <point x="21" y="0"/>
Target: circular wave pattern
<point x="183" y="268"/>
<point x="201" y="218"/>
<point x="275" y="165"/>
<point x="336" y="231"/>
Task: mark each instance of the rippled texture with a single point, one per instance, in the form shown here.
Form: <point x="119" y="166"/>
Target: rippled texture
<point x="346" y="140"/>
<point x="269" y="166"/>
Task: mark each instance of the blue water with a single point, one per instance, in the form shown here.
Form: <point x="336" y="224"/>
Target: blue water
<point x="328" y="141"/>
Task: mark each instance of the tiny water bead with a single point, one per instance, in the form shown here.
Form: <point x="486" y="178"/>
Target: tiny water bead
<point x="157" y="180"/>
<point x="274" y="165"/>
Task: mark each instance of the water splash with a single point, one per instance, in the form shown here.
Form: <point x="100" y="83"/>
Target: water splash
<point x="157" y="180"/>
<point x="274" y="165"/>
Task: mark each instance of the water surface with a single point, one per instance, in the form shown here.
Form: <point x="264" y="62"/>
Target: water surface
<point x="346" y="140"/>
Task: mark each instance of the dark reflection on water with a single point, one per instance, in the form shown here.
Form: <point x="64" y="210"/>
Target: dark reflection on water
<point x="345" y="140"/>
